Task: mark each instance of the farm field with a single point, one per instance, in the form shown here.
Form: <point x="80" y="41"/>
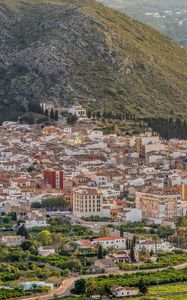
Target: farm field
<point x="155" y="291"/>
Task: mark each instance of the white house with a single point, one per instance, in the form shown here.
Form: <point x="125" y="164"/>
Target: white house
<point x="77" y="110"/>
<point x="124" y="292"/>
<point x="35" y="223"/>
<point x="153" y="246"/>
<point x="46" y="251"/>
<point x="110" y="241"/>
<point x="96" y="135"/>
<point x="67" y="130"/>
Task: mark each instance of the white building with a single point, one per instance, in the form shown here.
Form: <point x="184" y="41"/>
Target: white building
<point x="110" y="241"/>
<point x="130" y="215"/>
<point x="67" y="130"/>
<point x="120" y="291"/>
<point x="35" y="223"/>
<point x="153" y="246"/>
<point x="96" y="135"/>
<point x="77" y="110"/>
<point x="46" y="251"/>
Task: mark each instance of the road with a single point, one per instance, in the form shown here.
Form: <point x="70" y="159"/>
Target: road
<point x="64" y="289"/>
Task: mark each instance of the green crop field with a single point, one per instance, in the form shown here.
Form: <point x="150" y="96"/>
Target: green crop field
<point x="166" y="292"/>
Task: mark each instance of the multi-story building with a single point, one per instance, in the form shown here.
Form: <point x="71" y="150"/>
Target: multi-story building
<point x="143" y="140"/>
<point x="159" y="204"/>
<point x="87" y="201"/>
<point x="54" y="178"/>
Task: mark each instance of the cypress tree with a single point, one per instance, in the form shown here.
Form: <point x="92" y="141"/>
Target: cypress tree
<point x="56" y="115"/>
<point x="52" y="114"/>
<point x="46" y="113"/>
<point x="132" y="255"/>
<point x="100" y="252"/>
<point x="121" y="231"/>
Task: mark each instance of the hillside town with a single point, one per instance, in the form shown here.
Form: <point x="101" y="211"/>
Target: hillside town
<point x="116" y="202"/>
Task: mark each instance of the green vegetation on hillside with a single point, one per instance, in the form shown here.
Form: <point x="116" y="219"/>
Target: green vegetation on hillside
<point x="69" y="50"/>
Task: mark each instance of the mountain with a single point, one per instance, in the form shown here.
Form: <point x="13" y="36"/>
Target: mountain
<point x="80" y="50"/>
<point x="168" y="16"/>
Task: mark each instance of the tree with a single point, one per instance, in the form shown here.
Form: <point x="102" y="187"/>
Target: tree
<point x="121" y="231"/>
<point x="100" y="252"/>
<point x="90" y="288"/>
<point x="89" y="114"/>
<point x="128" y="243"/>
<point x="112" y="250"/>
<point x="101" y="291"/>
<point x="132" y="254"/>
<point x="56" y="239"/>
<point x="46" y="113"/>
<point x="36" y="205"/>
<point x="117" y="130"/>
<point x="142" y="287"/>
<point x="22" y="230"/>
<point x="165" y="231"/>
<point x="26" y="245"/>
<point x="45" y="237"/>
<point x="98" y="114"/>
<point x="52" y="114"/>
<point x="80" y="286"/>
<point x="72" y="119"/>
<point x="134" y="241"/>
<point x="155" y="238"/>
<point x="104" y="231"/>
<point x="27" y="118"/>
<point x="56" y="115"/>
<point x="56" y="203"/>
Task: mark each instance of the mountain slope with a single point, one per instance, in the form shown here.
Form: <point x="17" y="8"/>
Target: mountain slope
<point x="73" y="50"/>
<point x="168" y="16"/>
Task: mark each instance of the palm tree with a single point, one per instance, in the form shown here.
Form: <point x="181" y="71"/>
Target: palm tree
<point x="112" y="250"/>
<point x="90" y="288"/>
<point x="104" y="231"/>
<point x="155" y="238"/>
